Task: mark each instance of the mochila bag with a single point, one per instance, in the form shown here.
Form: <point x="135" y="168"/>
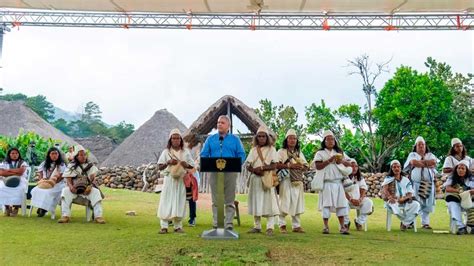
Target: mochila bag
<point x="81" y="182"/>
<point x="269" y="178"/>
<point x="12" y="181"/>
<point x="50" y="180"/>
<point x="391" y="191"/>
<point x="177" y="171"/>
<point x="317" y="183"/>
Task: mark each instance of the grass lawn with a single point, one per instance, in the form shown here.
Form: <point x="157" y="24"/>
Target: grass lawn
<point x="134" y="240"/>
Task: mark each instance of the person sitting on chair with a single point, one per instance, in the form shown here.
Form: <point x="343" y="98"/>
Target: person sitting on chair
<point x="398" y="193"/>
<point x="47" y="194"/>
<point x="461" y="180"/>
<point x="357" y="199"/>
<point x="80" y="178"/>
<point x="13" y="182"/>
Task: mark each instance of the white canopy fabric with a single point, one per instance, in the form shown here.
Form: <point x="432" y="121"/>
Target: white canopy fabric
<point x="245" y="6"/>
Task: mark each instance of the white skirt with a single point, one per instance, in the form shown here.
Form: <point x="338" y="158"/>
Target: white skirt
<point x="291" y="198"/>
<point x="13" y="195"/>
<point x="332" y="196"/>
<point x="261" y="202"/>
<point x="47" y="199"/>
<point x="173" y="199"/>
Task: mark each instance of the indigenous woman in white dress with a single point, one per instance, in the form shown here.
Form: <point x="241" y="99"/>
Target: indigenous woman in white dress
<point x="332" y="199"/>
<point x="173" y="164"/>
<point x="292" y="164"/>
<point x="262" y="201"/>
<point x="399" y="193"/>
<point x="12" y="197"/>
<point x="47" y="194"/>
<point x="457" y="154"/>
<point x="357" y="199"/>
<point x="421" y="164"/>
<point x="460" y="181"/>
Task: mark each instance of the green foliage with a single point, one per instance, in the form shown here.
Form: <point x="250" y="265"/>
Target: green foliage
<point x="415" y="104"/>
<point x="319" y="118"/>
<point x="280" y="119"/>
<point x="22" y="142"/>
<point x="38" y="104"/>
<point x="462" y="89"/>
<point x="41" y="106"/>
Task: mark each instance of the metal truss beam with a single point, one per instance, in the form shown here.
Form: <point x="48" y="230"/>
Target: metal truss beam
<point x="264" y="21"/>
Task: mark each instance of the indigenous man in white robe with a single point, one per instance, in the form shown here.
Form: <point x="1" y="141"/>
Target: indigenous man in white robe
<point x="421" y="164"/>
<point x="81" y="170"/>
<point x="173" y="162"/>
<point x="292" y="165"/>
<point x="262" y="201"/>
<point x="399" y="196"/>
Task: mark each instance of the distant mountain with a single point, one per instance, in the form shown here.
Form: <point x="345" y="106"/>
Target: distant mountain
<point x="68" y="116"/>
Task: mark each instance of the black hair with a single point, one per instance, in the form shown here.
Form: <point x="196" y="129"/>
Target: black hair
<point x="269" y="141"/>
<point x="357" y="175"/>
<point x="457" y="180"/>
<point x="452" y="152"/>
<point x="48" y="162"/>
<point x="427" y="149"/>
<point x="336" y="146"/>
<point x="8" y="159"/>
<point x="392" y="174"/>
<point x="285" y="144"/>
<point x="181" y="144"/>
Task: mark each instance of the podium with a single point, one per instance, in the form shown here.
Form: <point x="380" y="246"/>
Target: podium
<point x="221" y="166"/>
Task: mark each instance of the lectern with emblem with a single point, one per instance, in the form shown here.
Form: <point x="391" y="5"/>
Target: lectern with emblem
<point x="221" y="166"/>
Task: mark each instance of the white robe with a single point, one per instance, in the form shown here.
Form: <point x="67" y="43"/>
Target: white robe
<point x="333" y="195"/>
<point x="451" y="162"/>
<point x="48" y="199"/>
<point x="366" y="205"/>
<point x="427" y="205"/>
<point x="291" y="195"/>
<point x="15" y="195"/>
<point x="261" y="202"/>
<point x="402" y="188"/>
<point x="94" y="197"/>
<point x="173" y="196"/>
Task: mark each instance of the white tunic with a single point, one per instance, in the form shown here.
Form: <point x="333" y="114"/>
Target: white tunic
<point x="332" y="196"/>
<point x="427" y="174"/>
<point x="15" y="195"/>
<point x="173" y="196"/>
<point x="291" y="195"/>
<point x="48" y="199"/>
<point x="261" y="202"/>
<point x="94" y="197"/>
<point x="366" y="204"/>
<point x="451" y="162"/>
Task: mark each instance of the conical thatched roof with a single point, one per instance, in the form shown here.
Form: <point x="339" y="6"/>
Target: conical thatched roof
<point x="100" y="146"/>
<point x="147" y="142"/>
<point x="15" y="116"/>
<point x="208" y="120"/>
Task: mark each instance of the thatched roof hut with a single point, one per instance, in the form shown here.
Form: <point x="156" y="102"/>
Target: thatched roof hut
<point x="146" y="143"/>
<point x="227" y="105"/>
<point x="100" y="146"/>
<point x="15" y="116"/>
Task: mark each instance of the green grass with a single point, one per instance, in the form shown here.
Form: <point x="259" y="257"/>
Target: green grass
<point x="134" y="240"/>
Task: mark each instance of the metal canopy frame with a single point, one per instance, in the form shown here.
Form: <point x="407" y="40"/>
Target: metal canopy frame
<point x="239" y="21"/>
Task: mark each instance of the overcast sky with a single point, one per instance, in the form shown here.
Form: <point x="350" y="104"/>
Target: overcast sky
<point x="133" y="73"/>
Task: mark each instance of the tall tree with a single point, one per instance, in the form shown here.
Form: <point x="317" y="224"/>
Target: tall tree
<point x="415" y="104"/>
